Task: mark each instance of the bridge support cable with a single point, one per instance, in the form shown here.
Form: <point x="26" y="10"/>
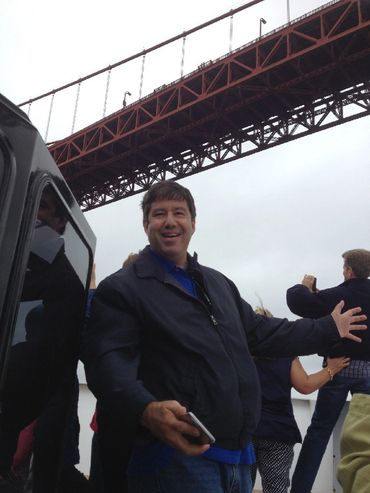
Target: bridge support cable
<point x="142" y="76"/>
<point x="231" y="33"/>
<point x="76" y="106"/>
<point x="106" y="92"/>
<point x="182" y="56"/>
<point x="49" y="117"/>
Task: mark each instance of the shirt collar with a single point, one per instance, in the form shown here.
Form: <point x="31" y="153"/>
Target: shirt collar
<point x="166" y="264"/>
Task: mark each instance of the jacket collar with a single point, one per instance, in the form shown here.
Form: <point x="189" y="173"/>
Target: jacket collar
<point x="148" y="266"/>
<point x="356" y="281"/>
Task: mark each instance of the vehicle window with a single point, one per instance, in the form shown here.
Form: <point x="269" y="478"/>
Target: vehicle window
<point x="40" y="391"/>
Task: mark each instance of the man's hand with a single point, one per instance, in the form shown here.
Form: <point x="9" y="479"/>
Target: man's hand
<point x="309" y="282"/>
<point x="162" y="419"/>
<point x="344" y="321"/>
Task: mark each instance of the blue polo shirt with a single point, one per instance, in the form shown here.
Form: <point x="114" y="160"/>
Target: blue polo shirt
<point x="145" y="460"/>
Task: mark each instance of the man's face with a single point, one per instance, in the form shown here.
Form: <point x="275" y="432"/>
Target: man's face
<point x="347" y="272"/>
<point x="169" y="229"/>
<point x="47" y="213"/>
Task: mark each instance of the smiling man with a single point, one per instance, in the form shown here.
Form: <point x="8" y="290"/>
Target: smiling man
<point x="168" y="335"/>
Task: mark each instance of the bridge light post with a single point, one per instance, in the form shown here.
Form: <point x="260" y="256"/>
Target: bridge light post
<point x="127" y="93"/>
<point x="262" y="21"/>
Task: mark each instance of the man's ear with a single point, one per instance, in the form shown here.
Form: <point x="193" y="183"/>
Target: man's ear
<point x="145" y="224"/>
<point x="350" y="272"/>
<point x="193" y="225"/>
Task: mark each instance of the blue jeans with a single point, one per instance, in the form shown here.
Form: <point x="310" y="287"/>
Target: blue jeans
<point x="330" y="401"/>
<point x="194" y="474"/>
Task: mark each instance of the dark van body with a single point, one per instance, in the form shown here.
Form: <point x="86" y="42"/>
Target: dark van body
<point x="46" y="256"/>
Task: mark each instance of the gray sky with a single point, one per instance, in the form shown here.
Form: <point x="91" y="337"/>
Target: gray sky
<point x="264" y="220"/>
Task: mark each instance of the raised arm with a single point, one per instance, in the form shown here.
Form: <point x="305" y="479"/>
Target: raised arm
<point x="307" y="383"/>
<point x="304" y="301"/>
<point x="279" y="337"/>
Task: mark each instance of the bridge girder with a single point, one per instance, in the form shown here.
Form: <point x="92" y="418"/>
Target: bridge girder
<point x="309" y="75"/>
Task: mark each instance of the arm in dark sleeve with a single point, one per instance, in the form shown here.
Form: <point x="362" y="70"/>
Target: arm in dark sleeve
<point x="280" y="338"/>
<point x="110" y="353"/>
<point x="304" y="303"/>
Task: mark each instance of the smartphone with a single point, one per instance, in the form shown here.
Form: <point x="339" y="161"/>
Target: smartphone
<point x="314" y="289"/>
<point x="205" y="436"/>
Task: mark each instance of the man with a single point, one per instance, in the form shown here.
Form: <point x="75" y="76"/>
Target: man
<point x="168" y="335"/>
<point x="306" y="301"/>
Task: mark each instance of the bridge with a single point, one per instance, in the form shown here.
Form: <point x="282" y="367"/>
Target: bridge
<point x="307" y="76"/>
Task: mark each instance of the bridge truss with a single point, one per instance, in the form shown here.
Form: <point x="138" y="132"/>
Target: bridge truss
<point x="308" y="76"/>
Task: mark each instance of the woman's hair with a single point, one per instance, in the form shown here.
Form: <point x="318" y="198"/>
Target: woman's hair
<point x="263" y="311"/>
<point x="130" y="259"/>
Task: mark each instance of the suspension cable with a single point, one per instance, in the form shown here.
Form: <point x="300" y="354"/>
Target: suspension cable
<point x="142" y="76"/>
<point x="182" y="56"/>
<point x="76" y="105"/>
<point x="49" y="117"/>
<point x="231" y="33"/>
<point x="106" y="92"/>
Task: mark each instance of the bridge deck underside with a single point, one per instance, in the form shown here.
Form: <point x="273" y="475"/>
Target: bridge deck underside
<point x="255" y="97"/>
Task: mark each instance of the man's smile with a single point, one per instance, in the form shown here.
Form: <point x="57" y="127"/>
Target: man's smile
<point x="170" y="235"/>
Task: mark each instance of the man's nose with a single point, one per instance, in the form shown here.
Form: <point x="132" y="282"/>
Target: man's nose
<point x="170" y="220"/>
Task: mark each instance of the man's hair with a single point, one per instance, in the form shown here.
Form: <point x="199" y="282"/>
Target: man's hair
<point x="167" y="190"/>
<point x="359" y="261"/>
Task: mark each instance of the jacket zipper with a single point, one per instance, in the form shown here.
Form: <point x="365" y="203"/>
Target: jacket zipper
<point x="207" y="305"/>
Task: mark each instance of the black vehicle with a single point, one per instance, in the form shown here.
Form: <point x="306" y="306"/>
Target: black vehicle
<point x="46" y="257"/>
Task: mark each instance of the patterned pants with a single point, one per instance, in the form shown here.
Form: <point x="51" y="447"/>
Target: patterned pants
<point x="273" y="460"/>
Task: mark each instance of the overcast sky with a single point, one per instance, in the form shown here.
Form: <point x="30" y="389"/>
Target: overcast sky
<point x="264" y="220"/>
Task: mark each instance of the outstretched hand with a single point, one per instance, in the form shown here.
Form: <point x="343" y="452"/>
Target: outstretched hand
<point x="345" y="321"/>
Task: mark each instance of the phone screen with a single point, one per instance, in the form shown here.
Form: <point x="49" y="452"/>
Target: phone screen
<point x="314" y="284"/>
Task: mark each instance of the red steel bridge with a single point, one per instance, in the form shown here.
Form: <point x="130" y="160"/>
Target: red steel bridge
<point x="310" y="75"/>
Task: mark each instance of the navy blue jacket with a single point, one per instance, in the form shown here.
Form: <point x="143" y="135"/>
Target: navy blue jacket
<point x="354" y="292"/>
<point x="149" y="339"/>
